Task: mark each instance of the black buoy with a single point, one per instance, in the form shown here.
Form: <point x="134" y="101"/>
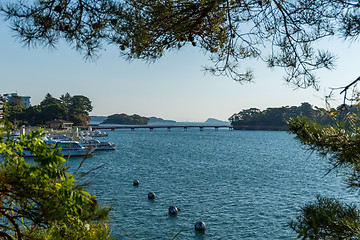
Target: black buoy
<point x="200" y="226"/>
<point x="136" y="182"/>
<point x="173" y="210"/>
<point x="151" y="195"/>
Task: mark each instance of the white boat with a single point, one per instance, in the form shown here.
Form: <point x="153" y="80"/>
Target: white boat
<point x="95" y="133"/>
<point x="98" y="145"/>
<point x="58" y="137"/>
<point x="68" y="149"/>
<point x="73" y="148"/>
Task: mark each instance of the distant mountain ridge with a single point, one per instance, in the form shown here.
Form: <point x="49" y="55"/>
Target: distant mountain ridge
<point x="157" y="120"/>
<point x="97" y="119"/>
<point x="214" y="121"/>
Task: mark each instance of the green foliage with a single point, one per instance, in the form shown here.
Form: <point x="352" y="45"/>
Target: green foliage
<point x="79" y="108"/>
<point x="14" y="112"/>
<point x="51" y="112"/>
<point x="339" y="143"/>
<point x="71" y="108"/>
<point x="49" y="100"/>
<point x="280" y="33"/>
<point x="328" y="218"/>
<point x="126" y="119"/>
<point x="66" y="99"/>
<point x="274" y="117"/>
<point x="40" y="199"/>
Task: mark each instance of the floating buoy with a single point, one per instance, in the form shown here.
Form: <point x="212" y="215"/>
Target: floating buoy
<point x="136" y="182"/>
<point x="151" y="195"/>
<point x="173" y="210"/>
<point x="200" y="226"/>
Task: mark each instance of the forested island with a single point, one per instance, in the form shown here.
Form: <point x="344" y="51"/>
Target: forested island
<point x="126" y="119"/>
<point x="276" y="118"/>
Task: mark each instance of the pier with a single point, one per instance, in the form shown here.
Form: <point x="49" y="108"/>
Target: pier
<point x="152" y="127"/>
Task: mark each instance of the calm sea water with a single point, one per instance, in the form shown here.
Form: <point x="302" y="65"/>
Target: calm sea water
<point x="242" y="184"/>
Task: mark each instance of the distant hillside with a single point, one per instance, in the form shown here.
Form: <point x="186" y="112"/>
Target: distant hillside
<point x="214" y="121"/>
<point x="156" y="120"/>
<point x="136" y="119"/>
<point x="126" y="119"/>
<point x="97" y="119"/>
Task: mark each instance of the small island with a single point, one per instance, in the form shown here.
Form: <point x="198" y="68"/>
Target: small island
<point x="126" y="119"/>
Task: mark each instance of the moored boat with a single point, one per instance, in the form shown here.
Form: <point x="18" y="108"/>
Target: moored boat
<point x="95" y="133"/>
<point x="68" y="149"/>
<point x="73" y="148"/>
<point x="98" y="145"/>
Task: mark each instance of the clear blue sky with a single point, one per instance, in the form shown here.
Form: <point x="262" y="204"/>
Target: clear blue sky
<point x="175" y="87"/>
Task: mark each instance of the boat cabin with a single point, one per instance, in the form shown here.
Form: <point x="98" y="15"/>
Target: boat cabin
<point x="69" y="145"/>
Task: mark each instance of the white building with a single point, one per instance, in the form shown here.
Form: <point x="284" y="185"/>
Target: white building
<point x="1" y="113"/>
<point x="14" y="97"/>
<point x="1" y="110"/>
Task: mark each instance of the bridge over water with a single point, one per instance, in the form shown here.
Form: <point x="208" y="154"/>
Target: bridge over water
<point x="187" y="126"/>
<point x="152" y="127"/>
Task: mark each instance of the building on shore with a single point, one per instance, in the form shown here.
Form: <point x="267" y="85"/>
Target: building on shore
<point x="1" y="113"/>
<point x="15" y="98"/>
<point x="59" y="124"/>
<point x="1" y="110"/>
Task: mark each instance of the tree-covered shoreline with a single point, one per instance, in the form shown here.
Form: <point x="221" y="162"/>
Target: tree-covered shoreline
<point x="277" y="118"/>
<point x="71" y="108"/>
